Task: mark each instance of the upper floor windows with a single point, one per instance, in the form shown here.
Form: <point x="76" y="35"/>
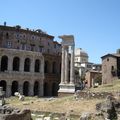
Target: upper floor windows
<point x="7" y="36"/>
<point x="9" y="44"/>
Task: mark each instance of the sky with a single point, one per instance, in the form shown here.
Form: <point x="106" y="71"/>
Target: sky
<point x="95" y="24"/>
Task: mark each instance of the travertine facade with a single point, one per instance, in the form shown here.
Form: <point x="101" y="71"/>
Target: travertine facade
<point x="23" y="61"/>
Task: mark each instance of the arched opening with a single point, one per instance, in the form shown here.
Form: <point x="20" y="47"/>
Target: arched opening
<point x="55" y="88"/>
<point x="26" y="88"/>
<point x="46" y="67"/>
<point x="27" y="65"/>
<point x="14" y="87"/>
<point x="46" y="93"/>
<point x="4" y="63"/>
<point x="37" y="65"/>
<point x="36" y="88"/>
<point x="3" y="84"/>
<point x="54" y="70"/>
<point x="16" y="64"/>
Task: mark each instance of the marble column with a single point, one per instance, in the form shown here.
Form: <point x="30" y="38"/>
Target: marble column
<point x="22" y="60"/>
<point x="66" y="64"/>
<point x="10" y="63"/>
<point x="63" y="65"/>
<point x="72" y="66"/>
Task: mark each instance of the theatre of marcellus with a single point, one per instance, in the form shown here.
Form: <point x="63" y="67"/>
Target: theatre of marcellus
<point x="30" y="62"/>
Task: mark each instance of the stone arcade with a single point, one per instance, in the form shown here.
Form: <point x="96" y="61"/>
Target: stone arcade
<point x="67" y="85"/>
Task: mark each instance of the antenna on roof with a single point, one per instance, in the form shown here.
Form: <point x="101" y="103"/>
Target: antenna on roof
<point x="5" y="23"/>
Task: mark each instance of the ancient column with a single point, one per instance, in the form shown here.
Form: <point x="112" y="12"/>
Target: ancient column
<point x="72" y="66"/>
<point x="66" y="64"/>
<point x="10" y="63"/>
<point x="22" y="60"/>
<point x="63" y="65"/>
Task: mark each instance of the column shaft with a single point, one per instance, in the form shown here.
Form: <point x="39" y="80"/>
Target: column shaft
<point x="72" y="66"/>
<point x="66" y="64"/>
<point x="63" y="65"/>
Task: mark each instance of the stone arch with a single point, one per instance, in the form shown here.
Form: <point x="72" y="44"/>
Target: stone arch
<point x="16" y="63"/>
<point x="55" y="88"/>
<point x="46" y="67"/>
<point x="54" y="67"/>
<point x="46" y="86"/>
<point x="36" y="88"/>
<point x="4" y="63"/>
<point x="14" y="87"/>
<point x="37" y="65"/>
<point x="3" y="84"/>
<point x="27" y="65"/>
<point x="26" y="88"/>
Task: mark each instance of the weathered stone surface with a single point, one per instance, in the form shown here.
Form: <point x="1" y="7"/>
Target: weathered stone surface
<point x="9" y="113"/>
<point x="85" y="116"/>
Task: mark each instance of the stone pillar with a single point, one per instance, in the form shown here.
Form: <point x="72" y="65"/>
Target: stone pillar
<point x="41" y="88"/>
<point x="72" y="66"/>
<point x="20" y="89"/>
<point x="32" y="65"/>
<point x="10" y="63"/>
<point x="42" y="66"/>
<point x="31" y="89"/>
<point x="66" y="64"/>
<point x="8" y="90"/>
<point x="22" y="60"/>
<point x="63" y="66"/>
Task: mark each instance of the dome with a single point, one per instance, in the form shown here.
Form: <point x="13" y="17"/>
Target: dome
<point x="81" y="52"/>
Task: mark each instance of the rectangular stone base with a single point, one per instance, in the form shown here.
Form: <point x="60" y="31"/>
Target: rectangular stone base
<point x="66" y="89"/>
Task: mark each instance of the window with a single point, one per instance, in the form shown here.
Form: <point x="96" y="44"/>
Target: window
<point x="40" y="48"/>
<point x="54" y="45"/>
<point x="112" y="67"/>
<point x="32" y="47"/>
<point x="7" y="36"/>
<point x="9" y="44"/>
<point x="23" y="46"/>
<point x="107" y="59"/>
<point x="17" y="35"/>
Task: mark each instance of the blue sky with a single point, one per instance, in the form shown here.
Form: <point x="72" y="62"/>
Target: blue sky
<point x="95" y="24"/>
